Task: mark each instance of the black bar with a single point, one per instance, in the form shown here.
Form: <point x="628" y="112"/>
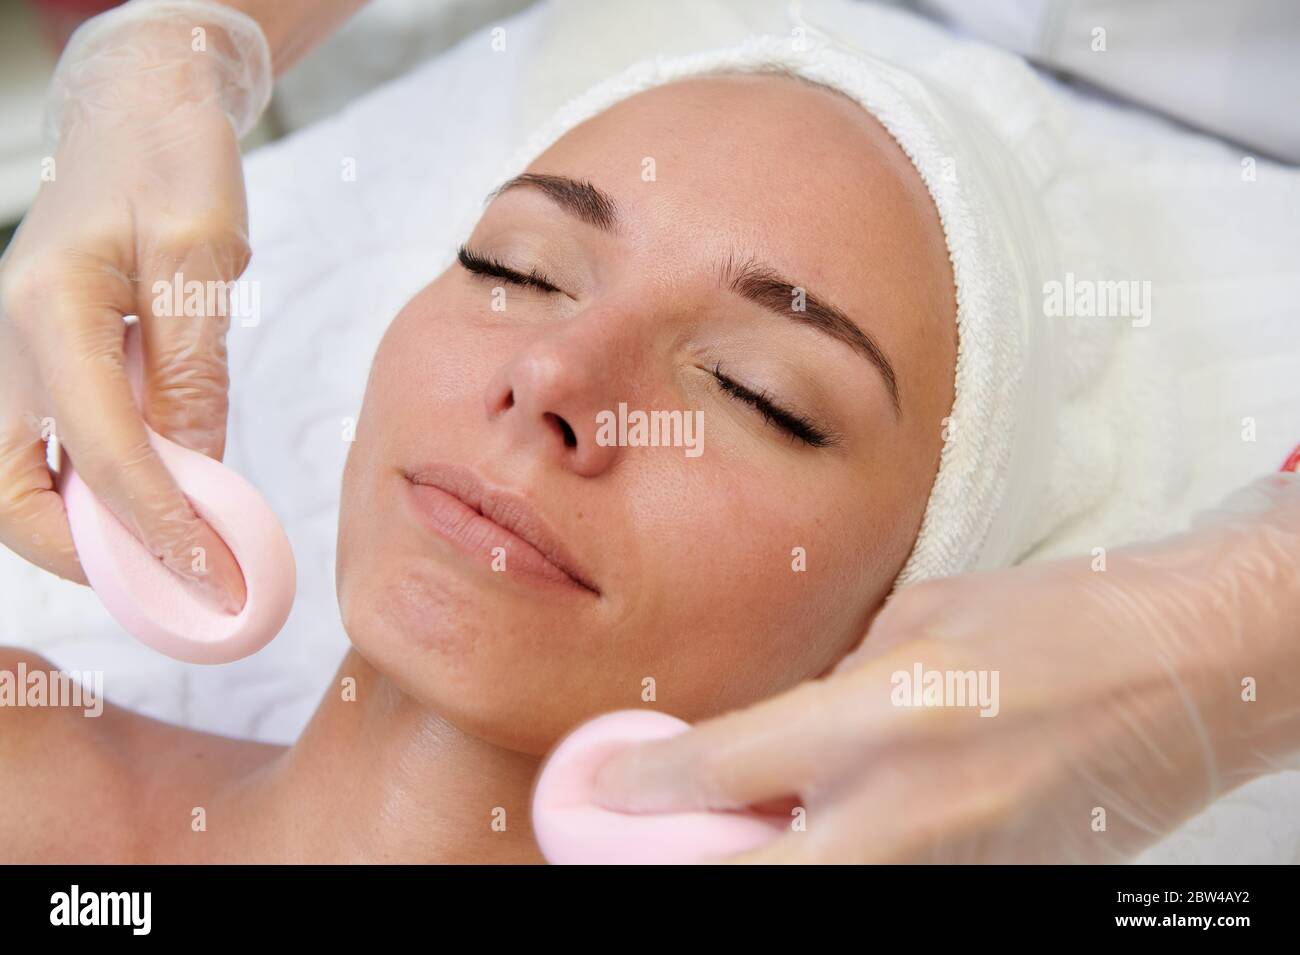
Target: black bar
<point x="241" y="903"/>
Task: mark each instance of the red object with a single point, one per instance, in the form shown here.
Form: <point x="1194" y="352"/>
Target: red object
<point x="90" y="7"/>
<point x="58" y="18"/>
<point x="1292" y="463"/>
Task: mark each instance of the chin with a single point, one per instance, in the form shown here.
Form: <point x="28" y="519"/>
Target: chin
<point x="493" y="665"/>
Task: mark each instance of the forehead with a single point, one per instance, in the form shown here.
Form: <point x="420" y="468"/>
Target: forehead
<point x="781" y="169"/>
<point x="728" y="143"/>
<point x="799" y="170"/>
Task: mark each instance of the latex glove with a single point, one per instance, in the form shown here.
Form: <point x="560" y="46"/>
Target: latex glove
<point x="1121" y="701"/>
<point x="147" y="105"/>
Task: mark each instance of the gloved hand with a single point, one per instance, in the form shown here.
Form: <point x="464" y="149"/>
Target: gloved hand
<point x="1127" y="700"/>
<point x="147" y="106"/>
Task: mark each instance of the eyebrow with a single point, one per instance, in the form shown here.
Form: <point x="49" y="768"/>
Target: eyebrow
<point x="765" y="287"/>
<point x="577" y="197"/>
<point x="751" y="280"/>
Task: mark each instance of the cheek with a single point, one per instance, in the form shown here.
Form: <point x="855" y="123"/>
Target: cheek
<point x="430" y="358"/>
<point x="768" y="581"/>
<point x="424" y="388"/>
<point x="428" y="383"/>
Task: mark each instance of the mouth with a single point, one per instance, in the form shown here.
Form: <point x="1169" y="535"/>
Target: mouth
<point x="499" y="527"/>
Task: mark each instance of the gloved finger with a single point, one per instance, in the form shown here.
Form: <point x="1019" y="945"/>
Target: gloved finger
<point x="186" y="381"/>
<point x="831" y="833"/>
<point x="33" y="523"/>
<point x="193" y="246"/>
<point x="830" y="838"/>
<point x="910" y="809"/>
<point x="773" y="749"/>
<point x="793" y="848"/>
<point x="79" y="355"/>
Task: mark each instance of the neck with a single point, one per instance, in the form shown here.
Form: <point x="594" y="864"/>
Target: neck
<point x="379" y="777"/>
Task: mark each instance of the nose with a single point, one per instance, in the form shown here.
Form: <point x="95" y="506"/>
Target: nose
<point x="549" y="395"/>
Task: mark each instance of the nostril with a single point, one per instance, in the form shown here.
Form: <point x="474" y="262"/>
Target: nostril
<point x="570" y="439"/>
<point x="510" y="400"/>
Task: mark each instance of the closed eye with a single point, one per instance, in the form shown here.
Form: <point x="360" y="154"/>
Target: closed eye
<point x="484" y="265"/>
<point x="793" y="423"/>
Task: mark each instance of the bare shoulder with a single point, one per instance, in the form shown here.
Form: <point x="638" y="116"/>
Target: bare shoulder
<point x="50" y="765"/>
<point x="28" y="711"/>
<point x="83" y="780"/>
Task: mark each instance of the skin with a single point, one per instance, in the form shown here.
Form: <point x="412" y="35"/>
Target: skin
<point x="465" y="676"/>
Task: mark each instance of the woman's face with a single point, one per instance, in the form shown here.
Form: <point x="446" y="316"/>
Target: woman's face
<point x="753" y="252"/>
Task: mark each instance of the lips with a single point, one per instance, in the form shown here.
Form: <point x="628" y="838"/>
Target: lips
<point x="461" y="508"/>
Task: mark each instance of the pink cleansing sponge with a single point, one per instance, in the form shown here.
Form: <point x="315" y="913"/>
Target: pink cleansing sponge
<point x="572" y="829"/>
<point x="150" y="601"/>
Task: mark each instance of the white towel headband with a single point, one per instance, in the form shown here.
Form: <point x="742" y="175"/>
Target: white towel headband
<point x="1000" y="433"/>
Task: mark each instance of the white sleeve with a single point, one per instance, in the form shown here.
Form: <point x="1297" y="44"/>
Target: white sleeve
<point x="1231" y="68"/>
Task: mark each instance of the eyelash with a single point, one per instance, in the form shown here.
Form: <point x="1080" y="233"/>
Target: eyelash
<point x="794" y="424"/>
<point x="485" y="265"/>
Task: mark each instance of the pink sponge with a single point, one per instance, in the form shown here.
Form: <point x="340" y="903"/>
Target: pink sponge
<point x="150" y="601"/>
<point x="572" y="829"/>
